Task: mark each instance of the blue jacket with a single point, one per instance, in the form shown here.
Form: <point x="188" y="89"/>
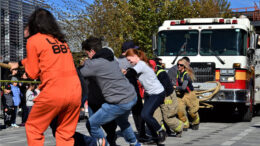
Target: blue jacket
<point x="16" y="95"/>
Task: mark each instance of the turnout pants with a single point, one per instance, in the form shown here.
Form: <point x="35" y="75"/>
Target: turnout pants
<point x="167" y="112"/>
<point x="61" y="98"/>
<point x="191" y="102"/>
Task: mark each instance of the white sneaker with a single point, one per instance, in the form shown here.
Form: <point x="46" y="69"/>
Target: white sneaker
<point x="15" y="126"/>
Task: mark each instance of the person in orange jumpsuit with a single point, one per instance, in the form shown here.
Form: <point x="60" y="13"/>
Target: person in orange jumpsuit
<point x="49" y="58"/>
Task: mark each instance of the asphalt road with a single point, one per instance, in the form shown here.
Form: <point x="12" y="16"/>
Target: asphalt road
<point x="212" y="132"/>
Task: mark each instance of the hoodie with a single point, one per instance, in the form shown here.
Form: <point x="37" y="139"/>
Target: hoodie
<point x="114" y="86"/>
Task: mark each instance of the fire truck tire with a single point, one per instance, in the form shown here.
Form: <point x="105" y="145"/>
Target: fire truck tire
<point x="247" y="114"/>
<point x="257" y="110"/>
<point x="248" y="110"/>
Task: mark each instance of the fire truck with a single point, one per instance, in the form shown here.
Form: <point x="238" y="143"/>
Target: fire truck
<point x="223" y="50"/>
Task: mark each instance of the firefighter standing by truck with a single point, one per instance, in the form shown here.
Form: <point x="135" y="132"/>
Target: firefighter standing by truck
<point x="187" y="97"/>
<point x="167" y="111"/>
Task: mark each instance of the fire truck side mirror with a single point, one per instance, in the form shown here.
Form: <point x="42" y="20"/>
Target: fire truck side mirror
<point x="250" y="52"/>
<point x="257" y="41"/>
<point x="154" y="42"/>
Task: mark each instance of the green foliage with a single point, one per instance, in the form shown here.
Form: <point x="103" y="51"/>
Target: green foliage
<point x="211" y="8"/>
<point x="110" y="19"/>
<point x="78" y="57"/>
<point x="119" y="20"/>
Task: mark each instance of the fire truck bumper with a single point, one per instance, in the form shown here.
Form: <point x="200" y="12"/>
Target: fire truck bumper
<point x="234" y="96"/>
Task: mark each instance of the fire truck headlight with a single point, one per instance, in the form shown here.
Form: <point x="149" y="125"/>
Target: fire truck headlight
<point x="231" y="79"/>
<point x="227" y="79"/>
<point x="223" y="79"/>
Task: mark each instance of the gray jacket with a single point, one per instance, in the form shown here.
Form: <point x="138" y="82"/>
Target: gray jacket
<point x="114" y="85"/>
<point x="7" y="100"/>
<point x="124" y="63"/>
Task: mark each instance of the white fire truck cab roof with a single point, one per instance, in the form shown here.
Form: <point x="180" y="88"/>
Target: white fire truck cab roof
<point x="207" y="23"/>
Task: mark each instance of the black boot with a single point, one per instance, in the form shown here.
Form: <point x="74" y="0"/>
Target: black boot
<point x="195" y="127"/>
<point x="178" y="134"/>
<point x="161" y="136"/>
<point x="144" y="138"/>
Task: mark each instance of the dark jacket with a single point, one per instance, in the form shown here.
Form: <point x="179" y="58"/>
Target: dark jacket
<point x="95" y="96"/>
<point x="84" y="88"/>
<point x="165" y="81"/>
<point x="23" y="89"/>
<point x="7" y="100"/>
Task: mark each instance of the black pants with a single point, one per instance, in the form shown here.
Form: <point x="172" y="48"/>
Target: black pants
<point x="80" y="139"/>
<point x="24" y="113"/>
<point x="139" y="122"/>
<point x="8" y="116"/>
<point x="14" y="114"/>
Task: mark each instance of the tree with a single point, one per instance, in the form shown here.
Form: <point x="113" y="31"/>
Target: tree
<point x="110" y="19"/>
<point x="211" y="8"/>
<point x="149" y="15"/>
<point x="119" y="20"/>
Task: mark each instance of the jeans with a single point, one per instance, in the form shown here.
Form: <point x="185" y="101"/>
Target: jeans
<point x="109" y="128"/>
<point x="109" y="112"/>
<point x="152" y="102"/>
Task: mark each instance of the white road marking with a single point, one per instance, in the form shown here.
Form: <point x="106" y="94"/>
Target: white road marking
<point x="10" y="137"/>
<point x="16" y="141"/>
<point x="238" y="137"/>
<point x="228" y="143"/>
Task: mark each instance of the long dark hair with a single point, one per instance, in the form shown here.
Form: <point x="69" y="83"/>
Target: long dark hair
<point x="42" y="21"/>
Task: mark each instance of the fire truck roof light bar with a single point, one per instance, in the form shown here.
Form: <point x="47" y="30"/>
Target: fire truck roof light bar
<point x="228" y="21"/>
<point x="234" y="21"/>
<point x="222" y="21"/>
<point x="173" y="23"/>
<point x="207" y="21"/>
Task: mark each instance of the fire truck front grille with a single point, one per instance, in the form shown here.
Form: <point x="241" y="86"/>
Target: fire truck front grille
<point x="203" y="71"/>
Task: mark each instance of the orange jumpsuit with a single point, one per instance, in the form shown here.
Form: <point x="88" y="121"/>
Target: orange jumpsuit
<point x="60" y="95"/>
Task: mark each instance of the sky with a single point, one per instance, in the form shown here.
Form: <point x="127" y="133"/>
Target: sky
<point x="234" y="3"/>
<point x="242" y="3"/>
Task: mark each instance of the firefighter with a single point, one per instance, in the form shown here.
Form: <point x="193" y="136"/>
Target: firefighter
<point x="167" y="112"/>
<point x="186" y="95"/>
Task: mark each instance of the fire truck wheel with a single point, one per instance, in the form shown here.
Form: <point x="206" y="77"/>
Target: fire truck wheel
<point x="257" y="110"/>
<point x="247" y="114"/>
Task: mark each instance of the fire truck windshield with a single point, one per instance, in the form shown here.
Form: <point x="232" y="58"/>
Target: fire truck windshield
<point x="178" y="42"/>
<point x="223" y="42"/>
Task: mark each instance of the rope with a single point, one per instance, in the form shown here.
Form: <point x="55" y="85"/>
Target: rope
<point x="9" y="81"/>
<point x="5" y="65"/>
<point x="208" y="97"/>
<point x="4" y="82"/>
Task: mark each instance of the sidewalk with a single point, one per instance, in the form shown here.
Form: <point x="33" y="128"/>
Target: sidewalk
<point x="18" y="121"/>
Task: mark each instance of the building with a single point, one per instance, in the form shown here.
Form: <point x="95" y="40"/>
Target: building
<point x="14" y="16"/>
<point x="252" y="13"/>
